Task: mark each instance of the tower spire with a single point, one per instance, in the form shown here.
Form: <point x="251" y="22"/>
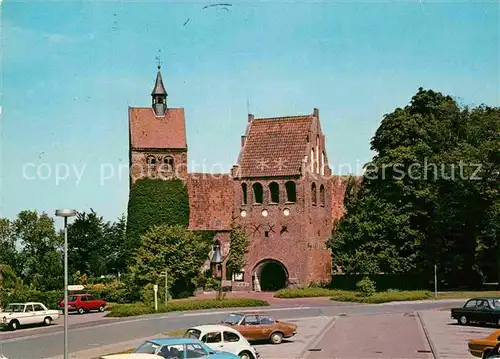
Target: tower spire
<point x="159" y="94"/>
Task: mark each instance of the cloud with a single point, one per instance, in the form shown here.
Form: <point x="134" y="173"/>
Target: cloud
<point x="65" y="39"/>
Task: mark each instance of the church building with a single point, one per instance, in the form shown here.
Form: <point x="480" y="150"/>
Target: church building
<point x="281" y="191"/>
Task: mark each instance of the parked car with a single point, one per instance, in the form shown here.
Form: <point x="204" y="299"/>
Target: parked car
<point x="131" y="356"/>
<point x="477" y="347"/>
<point x="478" y="310"/>
<point x="260" y="326"/>
<point x="180" y="348"/>
<point x="83" y="303"/>
<point x="222" y="337"/>
<point x="19" y="314"/>
<point x="492" y="354"/>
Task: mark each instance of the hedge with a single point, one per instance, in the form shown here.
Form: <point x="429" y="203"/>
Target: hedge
<point x="128" y="310"/>
<point x="352" y="296"/>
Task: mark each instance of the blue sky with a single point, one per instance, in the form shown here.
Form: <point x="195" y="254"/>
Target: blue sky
<point x="71" y="69"/>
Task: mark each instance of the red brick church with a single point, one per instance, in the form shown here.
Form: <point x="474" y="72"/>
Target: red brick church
<point x="281" y="190"/>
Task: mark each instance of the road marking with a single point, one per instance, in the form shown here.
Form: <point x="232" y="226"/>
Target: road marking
<point x="149" y="317"/>
<point x="315" y="341"/>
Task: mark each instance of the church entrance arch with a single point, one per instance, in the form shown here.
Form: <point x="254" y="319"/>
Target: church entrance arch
<point x="270" y="275"/>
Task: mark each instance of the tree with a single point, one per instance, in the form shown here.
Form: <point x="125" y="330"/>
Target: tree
<point x="8" y="252"/>
<point x="41" y="249"/>
<point x="239" y="243"/>
<point x="427" y="195"/>
<point x="182" y="251"/>
<point x="154" y="202"/>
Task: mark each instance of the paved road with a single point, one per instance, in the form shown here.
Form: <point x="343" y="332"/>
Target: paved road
<point x="391" y="336"/>
<point x="85" y="336"/>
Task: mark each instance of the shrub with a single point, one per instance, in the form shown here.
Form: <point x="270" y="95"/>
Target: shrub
<point x="366" y="287"/>
<point x="127" y="310"/>
<point x="304" y="292"/>
<point x="380" y="297"/>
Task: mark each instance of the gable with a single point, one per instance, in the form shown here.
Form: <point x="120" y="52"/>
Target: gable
<point x="149" y="131"/>
<point x="275" y="147"/>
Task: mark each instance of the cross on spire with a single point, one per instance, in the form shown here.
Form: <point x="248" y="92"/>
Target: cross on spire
<point x="158" y="60"/>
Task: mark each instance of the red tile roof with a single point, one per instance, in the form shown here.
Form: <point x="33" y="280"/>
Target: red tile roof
<point x="275" y="146"/>
<point x="149" y="131"/>
<point x="211" y="200"/>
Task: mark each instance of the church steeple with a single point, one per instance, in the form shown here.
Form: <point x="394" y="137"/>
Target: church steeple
<point x="159" y="95"/>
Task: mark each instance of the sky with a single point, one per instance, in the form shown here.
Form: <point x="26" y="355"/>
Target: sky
<point x="70" y="70"/>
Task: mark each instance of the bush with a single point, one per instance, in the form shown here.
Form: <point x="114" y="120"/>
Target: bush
<point x="304" y="292"/>
<point x="127" y="310"/>
<point x="366" y="287"/>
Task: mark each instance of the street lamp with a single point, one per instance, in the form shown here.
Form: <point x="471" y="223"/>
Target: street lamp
<point x="217" y="259"/>
<point x="65" y="213"/>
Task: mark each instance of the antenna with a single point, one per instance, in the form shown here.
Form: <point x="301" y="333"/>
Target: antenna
<point x="248" y="106"/>
<point x="158" y="60"/>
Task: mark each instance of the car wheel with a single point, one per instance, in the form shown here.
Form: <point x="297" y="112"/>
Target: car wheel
<point x="101" y="308"/>
<point x="276" y="338"/>
<point x="81" y="310"/>
<point x="47" y="321"/>
<point x="14" y="325"/>
<point x="498" y="322"/>
<point x="463" y="320"/>
<point x="246" y="355"/>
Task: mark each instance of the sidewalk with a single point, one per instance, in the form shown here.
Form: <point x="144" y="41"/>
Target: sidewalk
<point x="448" y="338"/>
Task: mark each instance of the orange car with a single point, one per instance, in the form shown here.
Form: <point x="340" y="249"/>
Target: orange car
<point x="259" y="326"/>
<point x="479" y="346"/>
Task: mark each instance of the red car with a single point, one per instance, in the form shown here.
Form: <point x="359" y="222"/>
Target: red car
<point x="83" y="303"/>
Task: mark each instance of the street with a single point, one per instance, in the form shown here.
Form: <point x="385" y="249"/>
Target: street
<point x="97" y="331"/>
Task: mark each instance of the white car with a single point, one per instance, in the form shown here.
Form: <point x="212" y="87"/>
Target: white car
<point x="223" y="338"/>
<point x="18" y="314"/>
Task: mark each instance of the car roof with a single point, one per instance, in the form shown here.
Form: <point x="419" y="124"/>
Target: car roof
<point x="214" y="327"/>
<point x="173" y="341"/>
<point x="27" y="303"/>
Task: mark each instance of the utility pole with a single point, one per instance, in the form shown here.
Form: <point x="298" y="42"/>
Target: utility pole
<point x="435" y="282"/>
<point x="165" y="274"/>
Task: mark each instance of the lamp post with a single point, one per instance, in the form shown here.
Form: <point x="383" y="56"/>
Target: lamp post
<point x="217" y="259"/>
<point x="65" y="213"/>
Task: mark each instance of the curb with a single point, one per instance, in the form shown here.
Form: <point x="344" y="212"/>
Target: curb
<point x="435" y="353"/>
<point x="315" y="341"/>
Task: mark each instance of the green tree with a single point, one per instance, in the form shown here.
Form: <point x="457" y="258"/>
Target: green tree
<point x="239" y="243"/>
<point x="182" y="251"/>
<point x="155" y="202"/>
<point x="40" y="249"/>
<point x="8" y="252"/>
<point x="427" y="195"/>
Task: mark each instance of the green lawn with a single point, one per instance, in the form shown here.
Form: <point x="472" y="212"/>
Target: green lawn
<point x="128" y="310"/>
<point x="467" y="294"/>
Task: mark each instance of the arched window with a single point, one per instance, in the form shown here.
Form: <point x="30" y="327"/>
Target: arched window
<point x="313" y="194"/>
<point x="322" y="195"/>
<point x="169" y="163"/>
<point x="291" y="193"/>
<point x="312" y="159"/>
<point x="244" y="193"/>
<point x="317" y="154"/>
<point x="274" y="191"/>
<point x="323" y="163"/>
<point x="258" y="193"/>
<point x="151" y="161"/>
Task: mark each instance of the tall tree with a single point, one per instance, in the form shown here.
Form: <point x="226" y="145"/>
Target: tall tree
<point x="427" y="194"/>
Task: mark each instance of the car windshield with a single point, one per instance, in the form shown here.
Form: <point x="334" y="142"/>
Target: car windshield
<point x="232" y="319"/>
<point x="147" y="348"/>
<point x="495" y="303"/>
<point x="15" y="308"/>
<point x="192" y="333"/>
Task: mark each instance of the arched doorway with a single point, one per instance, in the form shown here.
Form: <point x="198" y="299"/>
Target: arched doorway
<point x="271" y="275"/>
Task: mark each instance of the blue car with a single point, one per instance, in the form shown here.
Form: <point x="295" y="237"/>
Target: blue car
<point x="181" y="348"/>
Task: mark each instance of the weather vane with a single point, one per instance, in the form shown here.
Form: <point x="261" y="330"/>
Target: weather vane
<point x="159" y="62"/>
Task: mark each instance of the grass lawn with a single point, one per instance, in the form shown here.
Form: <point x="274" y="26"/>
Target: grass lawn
<point x="467" y="294"/>
<point x="128" y="310"/>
